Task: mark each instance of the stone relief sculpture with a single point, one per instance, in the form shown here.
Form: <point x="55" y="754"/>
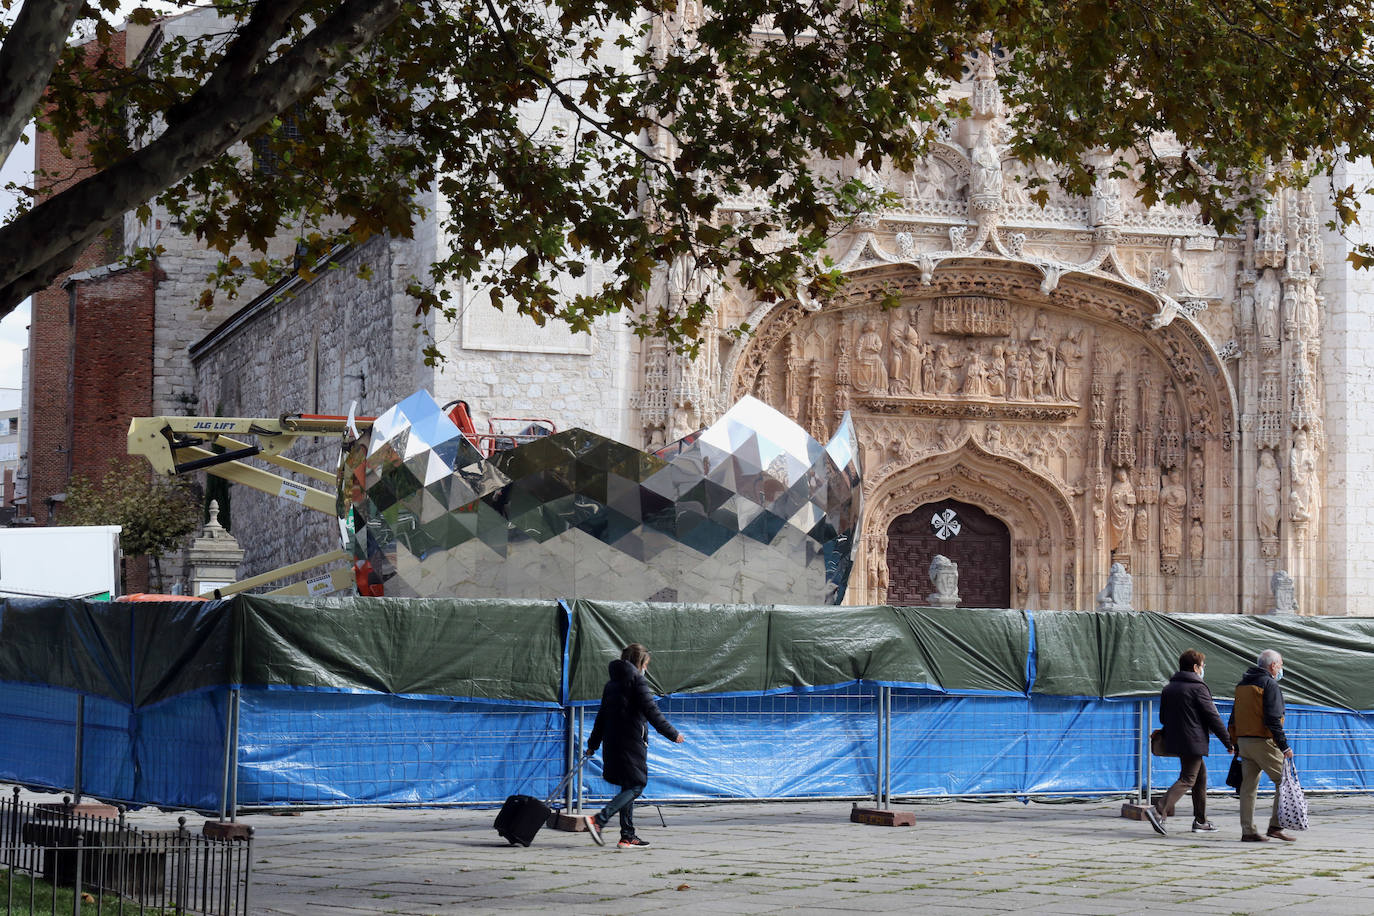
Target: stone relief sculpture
<point x="1267" y="495"/>
<point x="906" y="360"/>
<point x="1069" y="366"/>
<point x="1117" y="594"/>
<point x="869" y="372"/>
<point x="1121" y="500"/>
<point x="1022" y="582"/>
<point x="944" y="575"/>
<point x="975" y="375"/>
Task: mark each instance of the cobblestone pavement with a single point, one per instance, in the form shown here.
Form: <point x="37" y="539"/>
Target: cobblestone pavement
<point x="961" y="857"/>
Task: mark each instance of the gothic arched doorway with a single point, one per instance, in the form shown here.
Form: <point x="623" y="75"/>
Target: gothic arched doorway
<point x="978" y="543"/>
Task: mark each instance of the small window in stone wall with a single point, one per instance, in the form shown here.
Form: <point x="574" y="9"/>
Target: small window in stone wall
<point x="266" y="160"/>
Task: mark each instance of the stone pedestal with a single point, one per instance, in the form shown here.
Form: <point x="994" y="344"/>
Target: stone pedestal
<point x="214" y="557"/>
<point x="882" y="817"/>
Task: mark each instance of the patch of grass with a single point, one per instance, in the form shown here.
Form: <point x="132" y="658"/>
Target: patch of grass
<point x="48" y="903"/>
<point x="844" y="880"/>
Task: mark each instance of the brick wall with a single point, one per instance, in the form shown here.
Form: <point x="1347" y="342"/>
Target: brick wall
<point x="52" y="344"/>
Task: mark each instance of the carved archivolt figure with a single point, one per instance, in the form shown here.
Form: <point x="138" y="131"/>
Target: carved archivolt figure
<point x="1122" y="509"/>
<point x="1267" y="495"/>
<point x="869" y="373"/>
<point x="1173" y="498"/>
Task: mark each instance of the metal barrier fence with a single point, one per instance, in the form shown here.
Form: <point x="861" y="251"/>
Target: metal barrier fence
<point x="261" y="748"/>
<point x="98" y="864"/>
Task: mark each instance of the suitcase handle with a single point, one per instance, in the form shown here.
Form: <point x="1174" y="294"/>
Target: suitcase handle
<point x="563" y="783"/>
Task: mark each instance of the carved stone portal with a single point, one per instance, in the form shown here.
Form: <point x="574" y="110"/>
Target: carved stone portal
<point x="1093" y="437"/>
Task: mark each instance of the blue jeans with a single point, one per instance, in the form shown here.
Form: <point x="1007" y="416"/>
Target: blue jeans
<point x="624" y="804"/>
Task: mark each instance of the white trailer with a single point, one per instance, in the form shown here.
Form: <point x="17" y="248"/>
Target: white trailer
<point x="75" y="562"/>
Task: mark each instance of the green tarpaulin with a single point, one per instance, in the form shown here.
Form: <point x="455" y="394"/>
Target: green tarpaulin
<point x="145" y="652"/>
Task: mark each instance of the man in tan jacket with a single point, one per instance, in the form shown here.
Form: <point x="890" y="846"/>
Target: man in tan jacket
<point x="1256" y="728"/>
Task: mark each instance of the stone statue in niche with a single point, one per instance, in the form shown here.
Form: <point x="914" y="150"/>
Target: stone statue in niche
<point x="1042" y="581"/>
<point x="1121" y="501"/>
<point x="1196" y="545"/>
<point x="906" y="360"/>
<point x="976" y="375"/>
<point x="1099" y="523"/>
<point x="1245" y="312"/>
<point x="877" y="573"/>
<point x="1172" y="500"/>
<point x="1022" y="582"/>
<point x="1267" y="495"/>
<point x="987" y="164"/>
<point x="997" y="373"/>
<point x="1302" y="471"/>
<point x="1116" y="595"/>
<point x="1105" y="207"/>
<point x="869" y="372"/>
<point x="1285" y="596"/>
<point x="944" y="575"/>
<point x="1267" y="305"/>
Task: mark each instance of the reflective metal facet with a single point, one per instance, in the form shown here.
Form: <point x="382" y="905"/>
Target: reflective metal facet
<point x="749" y="510"/>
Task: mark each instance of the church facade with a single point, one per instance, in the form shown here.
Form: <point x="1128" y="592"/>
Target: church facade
<point x="1041" y="391"/>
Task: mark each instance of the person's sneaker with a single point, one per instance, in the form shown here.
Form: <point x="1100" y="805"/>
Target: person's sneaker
<point x="633" y="842"/>
<point x="594" y="830"/>
<point x="1203" y="826"/>
<point x="1156" y="820"/>
<point x="1278" y="834"/>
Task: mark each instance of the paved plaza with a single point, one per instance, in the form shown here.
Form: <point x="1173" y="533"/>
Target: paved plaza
<point x="960" y="858"/>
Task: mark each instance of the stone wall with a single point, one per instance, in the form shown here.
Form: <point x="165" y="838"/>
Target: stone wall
<point x="310" y="348"/>
<point x="1348" y="374"/>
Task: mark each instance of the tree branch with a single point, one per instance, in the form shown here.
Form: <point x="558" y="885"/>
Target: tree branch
<point x="41" y="245"/>
<point x="27" y="59"/>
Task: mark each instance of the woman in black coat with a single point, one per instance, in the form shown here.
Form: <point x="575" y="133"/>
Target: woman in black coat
<point x="622" y="723"/>
<point x="1187" y="713"/>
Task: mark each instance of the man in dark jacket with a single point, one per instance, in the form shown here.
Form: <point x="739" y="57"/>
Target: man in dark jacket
<point x="1257" y="725"/>
<point x="1187" y="713"/>
<point x="622" y="722"/>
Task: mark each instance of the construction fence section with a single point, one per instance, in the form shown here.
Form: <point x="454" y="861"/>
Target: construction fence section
<point x="255" y="702"/>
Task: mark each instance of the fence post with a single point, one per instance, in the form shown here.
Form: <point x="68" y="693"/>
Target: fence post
<point x="581" y="743"/>
<point x="1144" y="756"/>
<point x="80" y="735"/>
<point x="234" y="758"/>
<point x="570" y="752"/>
<point x="883" y="789"/>
<point x="228" y="752"/>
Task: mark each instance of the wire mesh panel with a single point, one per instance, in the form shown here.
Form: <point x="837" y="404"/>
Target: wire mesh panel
<point x="37" y="735"/>
<point x="179" y="746"/>
<point x="945" y="745"/>
<point x="796" y="745"/>
<point x="107" y="764"/>
<point x="1334" y="752"/>
<point x="318" y="748"/>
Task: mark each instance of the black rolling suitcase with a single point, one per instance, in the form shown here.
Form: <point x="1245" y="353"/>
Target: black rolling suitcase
<point x="522" y="816"/>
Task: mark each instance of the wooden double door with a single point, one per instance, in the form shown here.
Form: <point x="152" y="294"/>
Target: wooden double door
<point x="978" y="543"/>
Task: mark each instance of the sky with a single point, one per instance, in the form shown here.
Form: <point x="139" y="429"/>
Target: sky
<point x="14" y="329"/>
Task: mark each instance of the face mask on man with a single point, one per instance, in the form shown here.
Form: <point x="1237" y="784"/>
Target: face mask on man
<point x="1279" y="676"/>
<point x="1201" y="672"/>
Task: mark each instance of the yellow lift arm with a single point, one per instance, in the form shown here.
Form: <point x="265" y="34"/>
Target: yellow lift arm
<point x="180" y="445"/>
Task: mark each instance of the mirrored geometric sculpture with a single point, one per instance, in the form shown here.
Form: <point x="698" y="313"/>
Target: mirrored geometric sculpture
<point x="749" y="510"/>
